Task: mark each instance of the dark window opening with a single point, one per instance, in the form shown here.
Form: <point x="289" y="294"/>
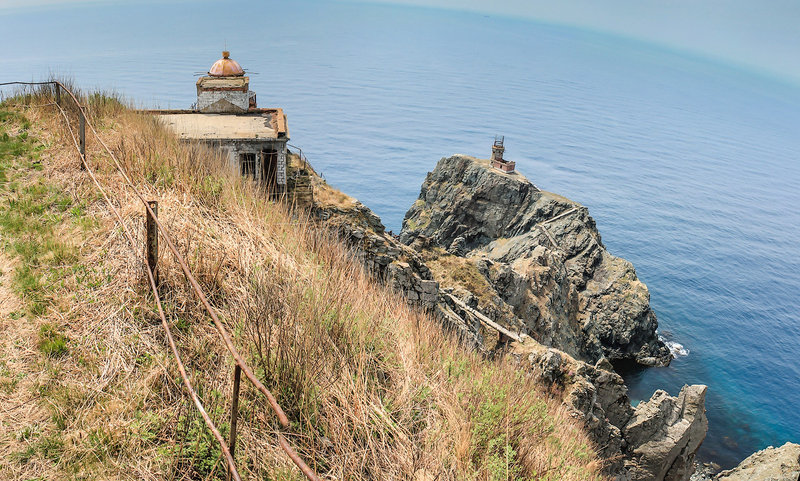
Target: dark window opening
<point x="247" y="164"/>
<point x="269" y="164"/>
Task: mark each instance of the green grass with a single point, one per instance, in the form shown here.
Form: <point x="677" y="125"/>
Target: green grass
<point x="30" y="213"/>
<point x="50" y="447"/>
<point x="52" y="343"/>
<point x="493" y="446"/>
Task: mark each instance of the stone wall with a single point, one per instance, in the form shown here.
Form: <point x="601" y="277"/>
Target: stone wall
<point x="235" y="147"/>
<point x="223" y="101"/>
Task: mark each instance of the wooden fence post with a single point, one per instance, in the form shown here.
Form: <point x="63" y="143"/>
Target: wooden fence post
<point x="58" y="94"/>
<point x="237" y="375"/>
<point x="82" y="135"/>
<point x="151" y="242"/>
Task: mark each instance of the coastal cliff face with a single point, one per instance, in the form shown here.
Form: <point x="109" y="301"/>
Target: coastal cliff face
<point x="514" y="270"/>
<point x="545" y="270"/>
<point x="655" y="441"/>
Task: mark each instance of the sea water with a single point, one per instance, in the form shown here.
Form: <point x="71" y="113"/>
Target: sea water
<point x="691" y="168"/>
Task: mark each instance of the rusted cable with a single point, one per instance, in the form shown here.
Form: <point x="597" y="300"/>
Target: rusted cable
<point x="225" y="451"/>
<point x="223" y="445"/>
<point x="49" y="82"/>
<point x="248" y="372"/>
<point x="308" y="472"/>
<point x="282" y="418"/>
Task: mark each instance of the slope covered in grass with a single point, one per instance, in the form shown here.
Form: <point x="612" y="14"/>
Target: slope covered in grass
<point x="88" y="388"/>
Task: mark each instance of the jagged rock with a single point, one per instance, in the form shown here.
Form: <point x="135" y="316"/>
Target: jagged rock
<point x="655" y="441"/>
<point x="597" y="396"/>
<point x="705" y="471"/>
<point x="397" y="265"/>
<point x="554" y="291"/>
<point x="458" y="247"/>
<point x="544" y="260"/>
<point x="771" y="464"/>
<point x="664" y="435"/>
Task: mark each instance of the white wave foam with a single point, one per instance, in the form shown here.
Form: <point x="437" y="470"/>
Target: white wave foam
<point x="676" y="349"/>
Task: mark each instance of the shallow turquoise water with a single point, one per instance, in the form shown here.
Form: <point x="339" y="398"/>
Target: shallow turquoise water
<point x="690" y="168"/>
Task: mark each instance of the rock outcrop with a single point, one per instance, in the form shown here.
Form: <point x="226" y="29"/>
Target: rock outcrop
<point x="546" y="271"/>
<point x="656" y="441"/>
<point x="771" y="464"/>
<point x="665" y="433"/>
<point x="394" y="263"/>
<point x="511" y="269"/>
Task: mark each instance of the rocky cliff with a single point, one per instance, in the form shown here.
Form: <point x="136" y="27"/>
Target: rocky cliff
<point x="533" y="261"/>
<point x="655" y="441"/>
<point x="513" y="270"/>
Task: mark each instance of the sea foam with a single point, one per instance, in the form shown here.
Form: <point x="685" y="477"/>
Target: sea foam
<point x="675" y="348"/>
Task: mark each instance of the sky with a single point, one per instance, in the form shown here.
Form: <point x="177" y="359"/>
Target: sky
<point x="760" y="35"/>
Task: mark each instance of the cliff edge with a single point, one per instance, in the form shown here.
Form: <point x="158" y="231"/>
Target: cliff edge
<point x="516" y="271"/>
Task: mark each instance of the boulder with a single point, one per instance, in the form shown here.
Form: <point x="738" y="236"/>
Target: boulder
<point x="771" y="464"/>
<point x="664" y="434"/>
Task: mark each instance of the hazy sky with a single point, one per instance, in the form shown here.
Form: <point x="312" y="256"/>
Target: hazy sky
<point x="763" y="35"/>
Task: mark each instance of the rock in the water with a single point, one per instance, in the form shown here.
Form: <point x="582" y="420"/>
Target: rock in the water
<point x="664" y="435"/>
<point x="548" y="273"/>
<point x="771" y="464"/>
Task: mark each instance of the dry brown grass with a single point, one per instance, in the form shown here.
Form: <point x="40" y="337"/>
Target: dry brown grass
<point x="462" y="272"/>
<point x="374" y="390"/>
<point x="328" y="197"/>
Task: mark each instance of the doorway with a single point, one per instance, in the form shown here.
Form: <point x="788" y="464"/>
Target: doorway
<point x="269" y="173"/>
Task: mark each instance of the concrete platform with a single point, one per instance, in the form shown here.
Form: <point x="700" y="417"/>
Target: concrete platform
<point x="266" y="124"/>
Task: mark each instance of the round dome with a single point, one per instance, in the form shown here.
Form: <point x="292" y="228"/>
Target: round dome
<point x="226" y="67"/>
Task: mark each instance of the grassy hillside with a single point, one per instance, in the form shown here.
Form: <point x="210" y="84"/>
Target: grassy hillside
<point x="89" y="389"/>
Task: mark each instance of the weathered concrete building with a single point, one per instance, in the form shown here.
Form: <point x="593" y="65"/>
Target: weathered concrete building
<point x="498" y="162"/>
<point x="226" y="116"/>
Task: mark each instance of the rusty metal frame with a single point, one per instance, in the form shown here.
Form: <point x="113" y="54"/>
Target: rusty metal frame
<point x="239" y="361"/>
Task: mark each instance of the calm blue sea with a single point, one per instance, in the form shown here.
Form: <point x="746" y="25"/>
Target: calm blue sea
<point x="691" y="168"/>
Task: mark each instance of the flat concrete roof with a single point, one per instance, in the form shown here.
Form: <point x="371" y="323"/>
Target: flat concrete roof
<point x="266" y="124"/>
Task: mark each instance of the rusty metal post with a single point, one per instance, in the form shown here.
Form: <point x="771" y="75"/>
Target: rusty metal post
<point x="237" y="375"/>
<point x="151" y="243"/>
<point x="58" y="94"/>
<point x="82" y="135"/>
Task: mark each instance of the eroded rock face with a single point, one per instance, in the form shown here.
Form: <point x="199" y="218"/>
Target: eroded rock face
<point x="549" y="273"/>
<point x="397" y="265"/>
<point x="594" y="393"/>
<point x="656" y="441"/>
<point x="771" y="464"/>
<point x="665" y="433"/>
<point x="560" y="304"/>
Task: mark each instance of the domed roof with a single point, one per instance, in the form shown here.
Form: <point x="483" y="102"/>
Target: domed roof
<point x="226" y="67"/>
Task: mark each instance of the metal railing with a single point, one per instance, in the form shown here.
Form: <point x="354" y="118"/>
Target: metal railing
<point x="149" y="261"/>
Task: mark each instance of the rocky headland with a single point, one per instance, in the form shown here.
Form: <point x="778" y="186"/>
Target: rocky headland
<point x="546" y="271"/>
<point x="517" y="271"/>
